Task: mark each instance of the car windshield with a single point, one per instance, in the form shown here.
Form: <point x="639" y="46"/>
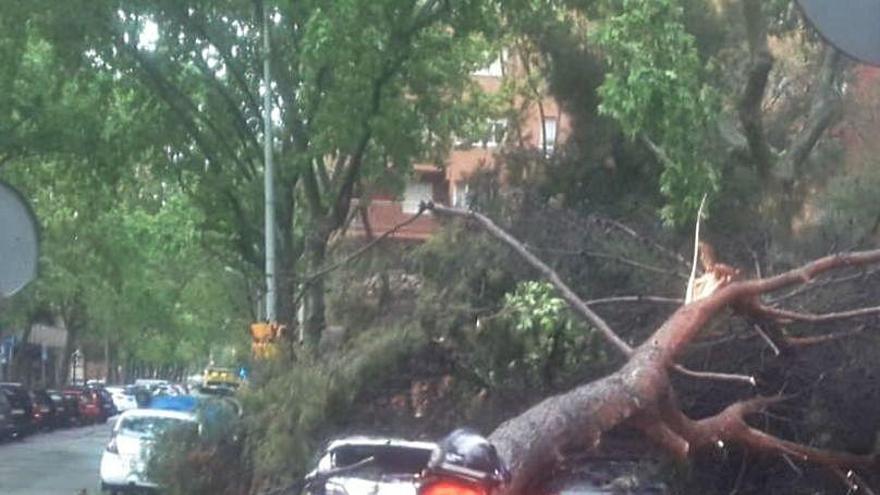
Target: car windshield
<point x="153" y="426"/>
<point x="386" y="459"/>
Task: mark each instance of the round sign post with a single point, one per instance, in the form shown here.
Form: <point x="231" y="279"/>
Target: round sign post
<point x="19" y="242"/>
<point x="851" y="26"/>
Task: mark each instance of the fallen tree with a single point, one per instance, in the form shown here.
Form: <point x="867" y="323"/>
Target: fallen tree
<point x="640" y="394"/>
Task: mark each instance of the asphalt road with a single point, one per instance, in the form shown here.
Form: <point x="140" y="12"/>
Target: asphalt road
<point x="62" y="462"/>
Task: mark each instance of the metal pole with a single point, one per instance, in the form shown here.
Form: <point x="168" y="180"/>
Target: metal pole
<point x="43" y="357"/>
<point x="268" y="173"/>
<point x="10" y="369"/>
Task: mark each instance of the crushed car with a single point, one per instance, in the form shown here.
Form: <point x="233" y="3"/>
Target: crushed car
<point x="464" y="463"/>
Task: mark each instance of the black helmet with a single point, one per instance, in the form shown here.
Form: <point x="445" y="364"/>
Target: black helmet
<point x="467" y="454"/>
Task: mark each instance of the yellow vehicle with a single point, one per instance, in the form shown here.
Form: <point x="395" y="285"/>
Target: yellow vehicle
<point x="220" y="377"/>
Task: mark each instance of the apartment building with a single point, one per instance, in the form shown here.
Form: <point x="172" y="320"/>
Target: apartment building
<point x="541" y="125"/>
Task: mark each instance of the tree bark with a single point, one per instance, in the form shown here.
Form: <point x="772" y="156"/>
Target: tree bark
<point x="760" y="64"/>
<point x="315" y="307"/>
<point x="287" y="255"/>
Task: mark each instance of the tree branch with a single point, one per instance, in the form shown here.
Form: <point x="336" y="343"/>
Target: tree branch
<point x="183" y="106"/>
<point x="823" y="110"/>
<point x="629" y="299"/>
<point x="822" y="284"/>
<point x="203" y="29"/>
<point x="634" y="264"/>
<point x="640" y="390"/>
<point x="760" y="64"/>
<point x="782" y="314"/>
<point x="570" y="297"/>
<point x="310" y="278"/>
<point x="641" y="238"/>
<point x="821" y="339"/>
<point x="618" y="259"/>
<point x="245" y="133"/>
<point x="712" y="375"/>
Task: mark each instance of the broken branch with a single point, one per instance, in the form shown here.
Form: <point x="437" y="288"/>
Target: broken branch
<point x="782" y="314"/>
<point x="711" y="375"/>
<point x="628" y="299"/>
<point x="821" y="339"/>
<point x="575" y="302"/>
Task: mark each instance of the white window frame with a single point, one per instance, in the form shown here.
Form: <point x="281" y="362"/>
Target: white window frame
<point x="491" y="140"/>
<point x="495" y="67"/>
<point x="461" y="195"/>
<point x="414" y="193"/>
<point x="548" y="138"/>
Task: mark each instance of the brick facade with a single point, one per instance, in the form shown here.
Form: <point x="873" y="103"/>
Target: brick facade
<point x="448" y="185"/>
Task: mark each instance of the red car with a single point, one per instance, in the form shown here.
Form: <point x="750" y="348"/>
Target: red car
<point x="89" y="404"/>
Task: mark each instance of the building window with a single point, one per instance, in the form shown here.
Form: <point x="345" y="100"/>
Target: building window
<point x="495" y="67"/>
<point x="495" y="132"/>
<point x="461" y="195"/>
<point x="415" y="193"/>
<point x="548" y="137"/>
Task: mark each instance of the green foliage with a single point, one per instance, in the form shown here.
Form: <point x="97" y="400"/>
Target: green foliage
<point x="541" y="319"/>
<point x="654" y="89"/>
<point x="533" y="342"/>
<point x="208" y="460"/>
<point x="462" y="273"/>
<point x="295" y="408"/>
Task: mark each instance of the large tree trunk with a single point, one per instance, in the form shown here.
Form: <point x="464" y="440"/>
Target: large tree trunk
<point x="72" y="317"/>
<point x="108" y="367"/>
<point x="640" y="393"/>
<point x="315" y="307"/>
<point x="287" y="255"/>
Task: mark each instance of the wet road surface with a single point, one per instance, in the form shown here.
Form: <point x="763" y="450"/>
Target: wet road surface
<point x="61" y="462"/>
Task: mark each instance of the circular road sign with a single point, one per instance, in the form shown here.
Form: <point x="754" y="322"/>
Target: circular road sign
<point x="852" y="26"/>
<point x="19" y="242"/>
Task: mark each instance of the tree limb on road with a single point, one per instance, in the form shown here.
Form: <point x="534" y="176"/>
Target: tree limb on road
<point x="640" y="393"/>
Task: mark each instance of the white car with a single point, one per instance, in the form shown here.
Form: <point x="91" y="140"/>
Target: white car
<point x="390" y="467"/>
<point x="123" y="401"/>
<point x="124" y="462"/>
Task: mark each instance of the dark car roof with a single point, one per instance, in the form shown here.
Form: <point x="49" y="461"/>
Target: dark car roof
<point x="41" y="395"/>
<point x="17" y="395"/>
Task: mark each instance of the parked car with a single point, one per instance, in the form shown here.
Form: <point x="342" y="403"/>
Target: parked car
<point x="66" y="409"/>
<point x="21" y="410"/>
<point x="215" y="376"/>
<point x="42" y="409"/>
<point x="395" y="467"/>
<point x="123" y="464"/>
<point x="122" y="400"/>
<point x="150" y="384"/>
<point x="463" y="463"/>
<point x="88" y="404"/>
<point x="142" y="395"/>
<point x="108" y="409"/>
<point x="7" y="426"/>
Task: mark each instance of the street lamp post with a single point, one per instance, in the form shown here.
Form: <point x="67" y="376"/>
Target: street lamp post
<point x="269" y="174"/>
<point x="75" y="357"/>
